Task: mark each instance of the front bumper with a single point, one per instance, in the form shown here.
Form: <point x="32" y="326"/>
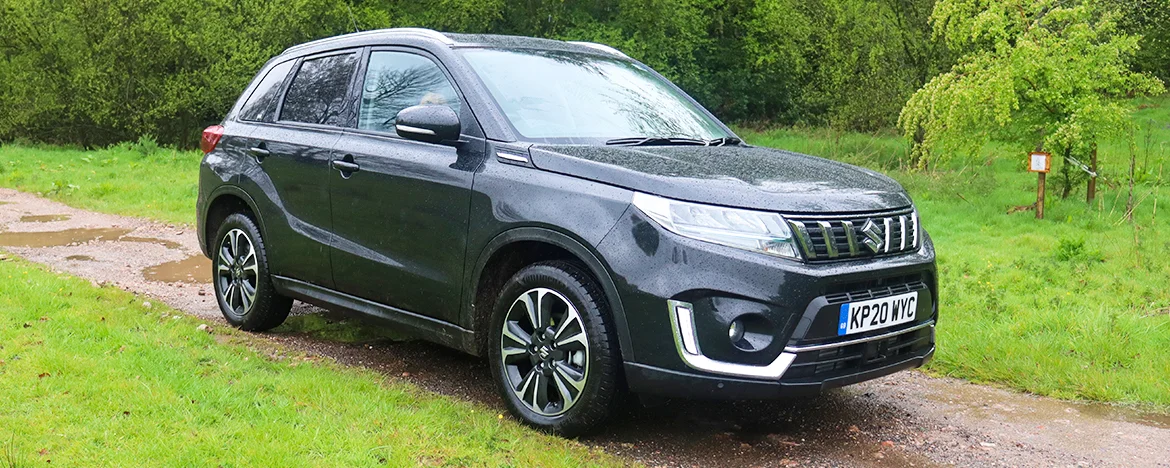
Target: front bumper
<point x="790" y="310"/>
<point x="675" y="384"/>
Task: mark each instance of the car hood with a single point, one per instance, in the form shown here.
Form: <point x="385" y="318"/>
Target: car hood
<point x="736" y="176"/>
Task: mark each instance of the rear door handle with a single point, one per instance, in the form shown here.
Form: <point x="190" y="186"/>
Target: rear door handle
<point x="260" y="152"/>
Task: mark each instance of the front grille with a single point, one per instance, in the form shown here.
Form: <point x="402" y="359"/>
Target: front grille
<point x="860" y="357"/>
<point x="884" y="288"/>
<point x="826" y="238"/>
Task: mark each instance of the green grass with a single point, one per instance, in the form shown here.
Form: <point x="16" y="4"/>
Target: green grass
<point x="129" y="179"/>
<point x="91" y="376"/>
<point x="1074" y="306"/>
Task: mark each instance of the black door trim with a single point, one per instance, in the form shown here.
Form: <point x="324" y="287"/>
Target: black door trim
<point x="428" y="328"/>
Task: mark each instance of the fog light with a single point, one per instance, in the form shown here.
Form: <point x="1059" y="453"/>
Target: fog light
<point x="735" y="331"/>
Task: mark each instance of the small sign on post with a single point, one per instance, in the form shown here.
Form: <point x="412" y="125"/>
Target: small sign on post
<point x="1039" y="162"/>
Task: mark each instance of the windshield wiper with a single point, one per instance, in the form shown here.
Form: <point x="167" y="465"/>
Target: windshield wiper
<point x="725" y="141"/>
<point x="665" y="141"/>
<point x="655" y="141"/>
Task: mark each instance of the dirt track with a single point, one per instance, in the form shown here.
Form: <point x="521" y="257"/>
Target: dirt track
<point x="907" y="419"/>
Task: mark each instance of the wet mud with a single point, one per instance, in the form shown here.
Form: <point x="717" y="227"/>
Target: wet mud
<point x="193" y="269"/>
<point x="979" y="403"/>
<point x="150" y="240"/>
<point x="59" y="238"/>
<point x="43" y="218"/>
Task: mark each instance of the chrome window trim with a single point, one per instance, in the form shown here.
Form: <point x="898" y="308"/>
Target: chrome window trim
<point x="805" y="349"/>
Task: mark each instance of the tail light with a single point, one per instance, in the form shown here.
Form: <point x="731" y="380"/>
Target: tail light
<point x="211" y="136"/>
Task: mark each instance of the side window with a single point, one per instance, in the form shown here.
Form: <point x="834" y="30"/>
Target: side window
<point x="262" y="104"/>
<point x="397" y="80"/>
<point x="317" y="93"/>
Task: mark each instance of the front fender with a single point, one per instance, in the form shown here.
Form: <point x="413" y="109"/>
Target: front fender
<point x="592" y="260"/>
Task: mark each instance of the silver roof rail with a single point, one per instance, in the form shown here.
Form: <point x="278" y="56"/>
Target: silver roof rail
<point x="431" y="33"/>
<point x="410" y="31"/>
<point x="600" y="47"/>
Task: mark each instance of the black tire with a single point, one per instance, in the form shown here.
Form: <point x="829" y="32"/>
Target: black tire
<point x="266" y="309"/>
<point x="601" y="392"/>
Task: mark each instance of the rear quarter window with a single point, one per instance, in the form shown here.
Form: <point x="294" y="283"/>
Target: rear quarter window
<point x="318" y="91"/>
<point x="261" y="106"/>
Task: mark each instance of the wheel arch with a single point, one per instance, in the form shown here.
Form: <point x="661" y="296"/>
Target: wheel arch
<point x="512" y="250"/>
<point x="224" y="201"/>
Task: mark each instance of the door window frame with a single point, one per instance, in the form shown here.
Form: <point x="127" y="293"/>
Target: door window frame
<point x="351" y="121"/>
<point x="467" y="118"/>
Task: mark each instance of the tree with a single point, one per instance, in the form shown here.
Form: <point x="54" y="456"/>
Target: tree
<point x="1151" y="20"/>
<point x="1048" y="74"/>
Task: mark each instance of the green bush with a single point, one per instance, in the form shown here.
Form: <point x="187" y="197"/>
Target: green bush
<point x="96" y="72"/>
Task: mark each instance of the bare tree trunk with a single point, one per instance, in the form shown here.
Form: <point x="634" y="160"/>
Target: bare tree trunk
<point x="1092" y="190"/>
<point x="1066" y="174"/>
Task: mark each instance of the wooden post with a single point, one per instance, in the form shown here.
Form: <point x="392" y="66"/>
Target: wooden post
<point x="1091" y="193"/>
<point x="1040" y="163"/>
<point x="1040" y="197"/>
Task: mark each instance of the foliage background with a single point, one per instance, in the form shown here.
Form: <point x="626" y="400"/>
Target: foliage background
<point x="96" y="72"/>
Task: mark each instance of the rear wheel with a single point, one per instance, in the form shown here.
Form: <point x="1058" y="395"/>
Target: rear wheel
<point x="243" y="288"/>
<point x="553" y="354"/>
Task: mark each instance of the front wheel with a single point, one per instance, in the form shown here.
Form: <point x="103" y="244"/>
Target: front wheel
<point x="240" y="276"/>
<point x="553" y="352"/>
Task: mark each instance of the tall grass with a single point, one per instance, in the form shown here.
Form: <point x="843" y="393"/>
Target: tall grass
<point x="134" y="179"/>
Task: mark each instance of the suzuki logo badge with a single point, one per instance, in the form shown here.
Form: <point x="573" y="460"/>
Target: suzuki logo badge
<point x="875" y="239"/>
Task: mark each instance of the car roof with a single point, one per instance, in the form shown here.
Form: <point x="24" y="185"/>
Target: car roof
<point x="453" y="40"/>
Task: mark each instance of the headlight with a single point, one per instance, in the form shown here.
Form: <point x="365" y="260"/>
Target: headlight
<point x="749" y="230"/>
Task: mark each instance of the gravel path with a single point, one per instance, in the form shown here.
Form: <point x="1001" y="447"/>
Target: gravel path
<point x="907" y="419"/>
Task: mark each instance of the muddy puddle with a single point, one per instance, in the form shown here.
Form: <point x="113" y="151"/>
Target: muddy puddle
<point x="982" y="403"/>
<point x="80" y="258"/>
<point x="59" y="238"/>
<point x="73" y="236"/>
<point x="193" y="269"/>
<point x="43" y="218"/>
<point x="150" y="240"/>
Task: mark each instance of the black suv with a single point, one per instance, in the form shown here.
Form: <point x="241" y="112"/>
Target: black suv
<point x="564" y="211"/>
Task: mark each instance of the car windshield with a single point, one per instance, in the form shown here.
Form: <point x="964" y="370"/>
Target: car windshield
<point x="565" y="97"/>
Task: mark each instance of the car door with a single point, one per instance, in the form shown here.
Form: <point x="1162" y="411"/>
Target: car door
<point x="400" y="219"/>
<point x="292" y="153"/>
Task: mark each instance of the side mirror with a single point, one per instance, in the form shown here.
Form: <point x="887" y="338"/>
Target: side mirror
<point x="429" y="123"/>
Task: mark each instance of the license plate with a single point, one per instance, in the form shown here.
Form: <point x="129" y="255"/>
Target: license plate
<point x="863" y="316"/>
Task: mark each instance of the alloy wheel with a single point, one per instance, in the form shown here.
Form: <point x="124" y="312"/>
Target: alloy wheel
<point x="545" y="351"/>
<point x="237" y="272"/>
